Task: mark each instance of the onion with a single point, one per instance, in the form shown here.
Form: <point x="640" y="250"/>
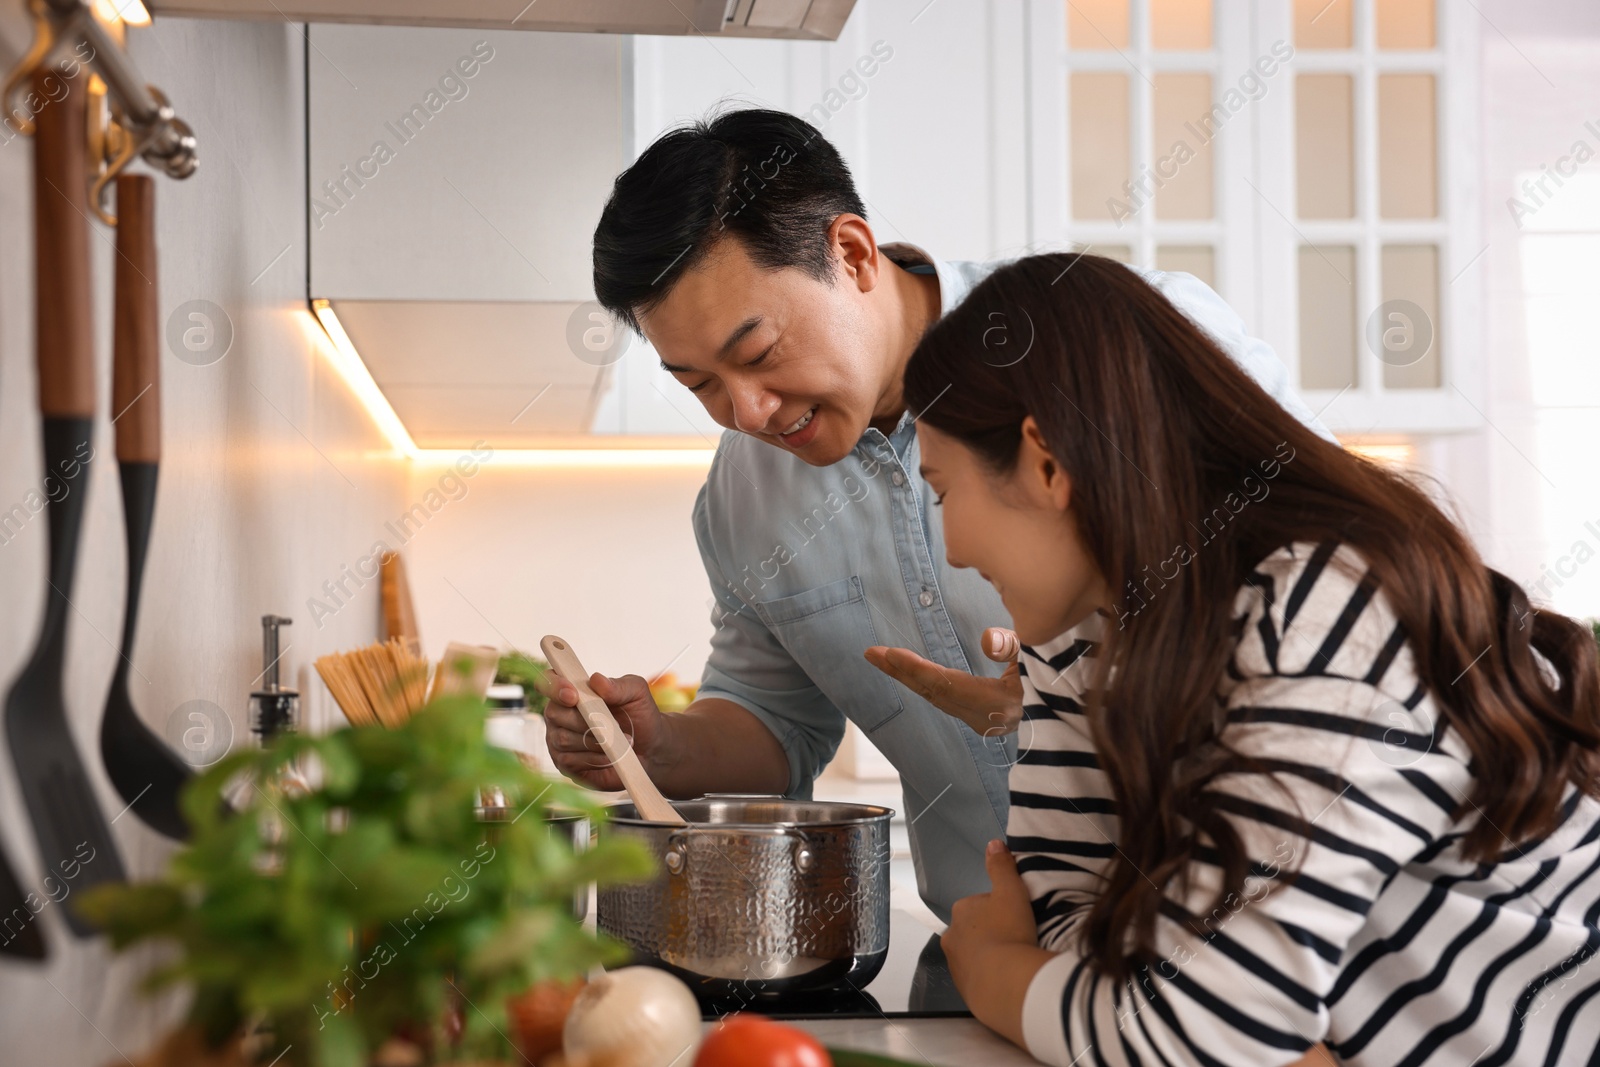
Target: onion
<point x="633" y="1017"/>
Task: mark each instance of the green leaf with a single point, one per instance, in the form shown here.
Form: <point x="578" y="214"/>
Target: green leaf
<point x="341" y="770"/>
<point x="519" y="668"/>
<point x="202" y="801"/>
<point x="131" y="913"/>
<point x="617" y="861"/>
<point x="400" y="898"/>
<point x="338" y="1042"/>
<point x="364" y="845"/>
<point x="519" y="938"/>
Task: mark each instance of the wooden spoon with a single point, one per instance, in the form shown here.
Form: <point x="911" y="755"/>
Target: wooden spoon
<point x="647" y="799"/>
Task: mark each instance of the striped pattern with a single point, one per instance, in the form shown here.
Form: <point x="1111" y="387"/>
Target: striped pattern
<point x="1388" y="946"/>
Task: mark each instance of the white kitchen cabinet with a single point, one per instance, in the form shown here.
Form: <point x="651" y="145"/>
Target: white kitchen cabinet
<point x="927" y="104"/>
<point x="461" y="164"/>
<point x="457" y="175"/>
<point x="1309" y="172"/>
<point x="1315" y="161"/>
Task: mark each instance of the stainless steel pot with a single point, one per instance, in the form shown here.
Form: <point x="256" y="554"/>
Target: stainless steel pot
<point x="571" y="826"/>
<point x="574" y="828"/>
<point x="758" y="896"/>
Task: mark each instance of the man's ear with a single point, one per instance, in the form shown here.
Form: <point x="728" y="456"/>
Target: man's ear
<point x="852" y="241"/>
<point x="1044" y="473"/>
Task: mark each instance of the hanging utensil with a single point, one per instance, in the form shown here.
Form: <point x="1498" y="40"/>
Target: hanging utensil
<point x="26" y="942"/>
<point x="147" y="773"/>
<point x="67" y="823"/>
<point x="647" y="799"/>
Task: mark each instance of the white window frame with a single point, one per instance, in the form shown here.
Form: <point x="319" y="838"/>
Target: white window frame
<point x="1256" y="233"/>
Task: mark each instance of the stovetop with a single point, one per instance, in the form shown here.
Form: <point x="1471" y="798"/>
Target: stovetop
<point x="914" y="982"/>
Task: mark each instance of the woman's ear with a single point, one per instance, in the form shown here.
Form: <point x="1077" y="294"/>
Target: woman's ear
<point x="1042" y="472"/>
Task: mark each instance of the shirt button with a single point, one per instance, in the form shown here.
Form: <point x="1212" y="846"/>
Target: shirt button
<point x="897" y="478"/>
<point x="926" y="599"/>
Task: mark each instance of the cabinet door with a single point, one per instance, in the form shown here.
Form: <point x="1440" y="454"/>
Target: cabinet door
<point x="1372" y="236"/>
<point x="927" y="104"/>
<point x="1310" y="159"/>
<point x="1144" y="116"/>
<point x="459" y="164"/>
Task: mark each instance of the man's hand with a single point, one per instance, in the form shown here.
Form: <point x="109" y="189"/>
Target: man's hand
<point x="574" y="747"/>
<point x="991" y="706"/>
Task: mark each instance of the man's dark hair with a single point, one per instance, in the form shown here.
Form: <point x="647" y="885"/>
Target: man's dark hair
<point x="766" y="177"/>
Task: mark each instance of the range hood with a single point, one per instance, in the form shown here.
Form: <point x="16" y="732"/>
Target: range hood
<point x="456" y="177"/>
<point x="813" y="20"/>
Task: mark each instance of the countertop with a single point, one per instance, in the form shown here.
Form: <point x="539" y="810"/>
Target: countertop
<point x="938" y="1042"/>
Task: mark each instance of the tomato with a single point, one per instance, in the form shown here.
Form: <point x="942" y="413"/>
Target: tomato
<point x="750" y="1041"/>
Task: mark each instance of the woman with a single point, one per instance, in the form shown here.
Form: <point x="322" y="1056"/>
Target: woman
<point x="1297" y="767"/>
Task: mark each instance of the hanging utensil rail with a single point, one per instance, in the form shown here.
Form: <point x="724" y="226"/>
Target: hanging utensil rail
<point x="163" y="139"/>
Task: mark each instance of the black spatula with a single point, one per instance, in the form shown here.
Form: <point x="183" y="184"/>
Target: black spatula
<point x="19" y="934"/>
<point x="147" y="773"/>
<point x="67" y="823"/>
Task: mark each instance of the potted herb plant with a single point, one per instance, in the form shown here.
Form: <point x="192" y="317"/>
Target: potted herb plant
<point x="519" y="668"/>
<point x="373" y="905"/>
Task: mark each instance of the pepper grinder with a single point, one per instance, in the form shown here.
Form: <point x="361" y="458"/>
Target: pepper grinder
<point x="274" y="708"/>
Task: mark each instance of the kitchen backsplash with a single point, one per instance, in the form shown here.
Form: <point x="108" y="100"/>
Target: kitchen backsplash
<point x="272" y="476"/>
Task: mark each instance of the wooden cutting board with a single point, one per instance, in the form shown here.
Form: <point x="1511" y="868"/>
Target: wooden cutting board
<point x="399" y="615"/>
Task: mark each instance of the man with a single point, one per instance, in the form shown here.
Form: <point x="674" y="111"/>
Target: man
<point x="740" y="249"/>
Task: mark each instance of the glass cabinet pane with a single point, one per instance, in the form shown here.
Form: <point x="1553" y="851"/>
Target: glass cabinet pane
<point x="1322" y="23"/>
<point x="1324" y="146"/>
<point x="1199" y="260"/>
<point x="1407" y="148"/>
<point x="1180" y="25"/>
<point x="1098" y="126"/>
<point x="1120" y="253"/>
<point x="1097" y="25"/>
<point x="1180" y="151"/>
<point x="1405" y="23"/>
<point x="1327" y="316"/>
<point x="1404" y="331"/>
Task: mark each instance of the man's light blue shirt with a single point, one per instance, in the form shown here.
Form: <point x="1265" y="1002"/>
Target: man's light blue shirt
<point x="811" y="566"/>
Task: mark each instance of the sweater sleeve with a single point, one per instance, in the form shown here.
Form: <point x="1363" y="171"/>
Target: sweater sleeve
<point x="1321" y="693"/>
<point x="1061" y="828"/>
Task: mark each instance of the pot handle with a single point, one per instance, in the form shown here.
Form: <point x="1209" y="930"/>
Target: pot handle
<point x="676" y="856"/>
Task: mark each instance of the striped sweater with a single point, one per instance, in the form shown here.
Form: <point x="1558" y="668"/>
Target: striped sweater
<point x="1389" y="945"/>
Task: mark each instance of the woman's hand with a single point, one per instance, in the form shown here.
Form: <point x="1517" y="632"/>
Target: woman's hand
<point x="993" y="948"/>
<point x="994" y="955"/>
<point x="991" y="706"/>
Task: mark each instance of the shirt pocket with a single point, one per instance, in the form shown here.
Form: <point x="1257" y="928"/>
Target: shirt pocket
<point x="826" y="630"/>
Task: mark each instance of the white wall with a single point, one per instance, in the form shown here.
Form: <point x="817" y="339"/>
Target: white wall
<point x="272" y="476"/>
<point x="604" y="558"/>
<point x="1526" y="481"/>
<point x="934" y="135"/>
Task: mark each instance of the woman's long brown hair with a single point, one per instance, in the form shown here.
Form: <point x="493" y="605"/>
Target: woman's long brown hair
<point x="1157" y="428"/>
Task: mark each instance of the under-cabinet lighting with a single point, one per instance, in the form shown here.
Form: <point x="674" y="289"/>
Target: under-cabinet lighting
<point x="132" y="12"/>
<point x="577" y="457"/>
<point x="348" y="362"/>
<point x="1387" y="453"/>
